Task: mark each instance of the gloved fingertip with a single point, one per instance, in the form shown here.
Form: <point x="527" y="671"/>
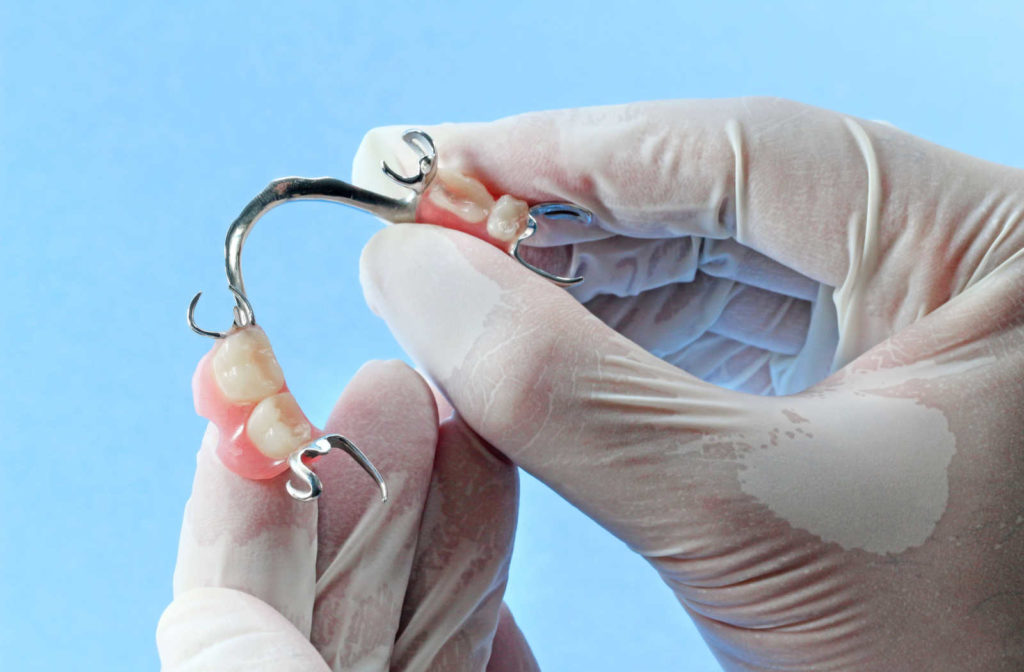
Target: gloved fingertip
<point x="383" y="253"/>
<point x="208" y="444"/>
<point x="445" y="410"/>
<point x="380" y="388"/>
<point x="434" y="288"/>
<point x="403" y="260"/>
<point x="383" y="368"/>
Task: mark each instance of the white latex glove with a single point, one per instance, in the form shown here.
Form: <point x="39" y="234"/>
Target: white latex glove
<point x="872" y="522"/>
<point x="347" y="583"/>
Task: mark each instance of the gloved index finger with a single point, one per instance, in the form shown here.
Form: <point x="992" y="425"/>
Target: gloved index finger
<point x="365" y="547"/>
<point x="241" y="529"/>
<point x="643" y="172"/>
<point x="810" y="188"/>
<point x="248" y="535"/>
<point x="384" y="145"/>
<point x="542" y="380"/>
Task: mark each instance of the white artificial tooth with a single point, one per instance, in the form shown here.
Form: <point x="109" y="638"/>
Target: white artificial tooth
<point x="462" y="195"/>
<point x="507" y="219"/>
<point x="277" y="427"/>
<point x="245" y="368"/>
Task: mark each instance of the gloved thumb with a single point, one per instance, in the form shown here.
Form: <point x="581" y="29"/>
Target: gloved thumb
<point x="578" y="405"/>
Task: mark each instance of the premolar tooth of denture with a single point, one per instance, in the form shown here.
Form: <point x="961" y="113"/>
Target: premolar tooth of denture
<point x="507" y="219"/>
<point x="463" y="196"/>
<point x="245" y="368"/>
<point x="277" y="427"/>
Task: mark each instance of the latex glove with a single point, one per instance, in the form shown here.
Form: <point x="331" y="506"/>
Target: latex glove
<point x="875" y="521"/>
<point x="264" y="582"/>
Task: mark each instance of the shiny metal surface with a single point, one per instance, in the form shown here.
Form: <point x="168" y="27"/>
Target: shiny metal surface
<point x="319" y="189"/>
<point x="550" y="211"/>
<point x="242" y="312"/>
<point x="384" y="207"/>
<point x="312" y="486"/>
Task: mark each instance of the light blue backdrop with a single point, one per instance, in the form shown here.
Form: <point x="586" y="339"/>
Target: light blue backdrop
<point x="130" y="136"/>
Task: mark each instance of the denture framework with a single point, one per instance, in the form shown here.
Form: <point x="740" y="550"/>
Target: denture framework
<point x="239" y="386"/>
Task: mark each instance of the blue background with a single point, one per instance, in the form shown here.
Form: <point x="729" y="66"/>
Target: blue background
<point x="131" y="135"/>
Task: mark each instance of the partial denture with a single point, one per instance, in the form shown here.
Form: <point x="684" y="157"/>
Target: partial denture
<point x="463" y="203"/>
<point x="239" y="386"/>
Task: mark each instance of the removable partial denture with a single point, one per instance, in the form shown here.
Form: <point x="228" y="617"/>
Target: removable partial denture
<point x="463" y="203"/>
<point x="239" y="387"/>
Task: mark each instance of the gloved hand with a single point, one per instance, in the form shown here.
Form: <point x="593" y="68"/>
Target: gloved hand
<point x="264" y="582"/>
<point x="873" y="521"/>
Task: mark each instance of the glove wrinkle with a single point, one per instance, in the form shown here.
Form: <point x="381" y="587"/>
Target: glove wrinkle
<point x="453" y="603"/>
<point x="815" y="531"/>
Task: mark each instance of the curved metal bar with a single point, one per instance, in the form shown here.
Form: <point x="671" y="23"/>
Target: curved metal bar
<point x="313" y="189"/>
<point x="319" y="189"/>
<point x="384" y="207"/>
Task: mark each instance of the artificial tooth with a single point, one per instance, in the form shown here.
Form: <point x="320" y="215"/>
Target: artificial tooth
<point x="245" y="368"/>
<point x="277" y="427"/>
<point x="507" y="219"/>
<point x="461" y="195"/>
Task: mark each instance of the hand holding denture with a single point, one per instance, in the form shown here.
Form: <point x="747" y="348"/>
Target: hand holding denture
<point x="267" y="583"/>
<point x="791" y="380"/>
<point x="240" y="388"/>
<point x="258" y="440"/>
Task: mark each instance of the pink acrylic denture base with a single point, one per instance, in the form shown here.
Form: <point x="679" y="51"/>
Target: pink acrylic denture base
<point x="431" y="213"/>
<point x="234" y="447"/>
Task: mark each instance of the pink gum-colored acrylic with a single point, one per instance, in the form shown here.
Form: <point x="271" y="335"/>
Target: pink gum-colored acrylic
<point x="234" y="447"/>
<point x="460" y="190"/>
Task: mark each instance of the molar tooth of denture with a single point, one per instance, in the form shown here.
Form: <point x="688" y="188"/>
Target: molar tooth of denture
<point x="463" y="196"/>
<point x="245" y="368"/>
<point x="277" y="427"/>
<point x="507" y="219"/>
